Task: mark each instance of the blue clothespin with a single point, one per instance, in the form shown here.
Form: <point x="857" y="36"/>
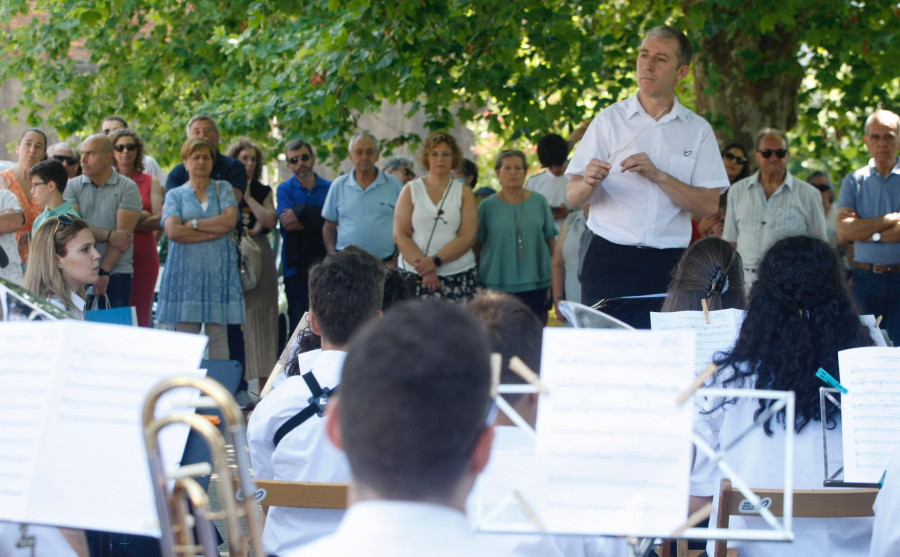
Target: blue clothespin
<point x="826" y="377"/>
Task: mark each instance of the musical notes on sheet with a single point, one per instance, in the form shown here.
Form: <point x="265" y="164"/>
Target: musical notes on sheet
<point x="870" y="411"/>
<point x="718" y="335"/>
<point x="71" y="445"/>
<point x="613" y="449"/>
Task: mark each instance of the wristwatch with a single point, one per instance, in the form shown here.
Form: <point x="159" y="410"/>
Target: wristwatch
<point x="194" y="224"/>
<point x="876" y="237"/>
<point x="103" y="272"/>
<point x="437" y="261"/>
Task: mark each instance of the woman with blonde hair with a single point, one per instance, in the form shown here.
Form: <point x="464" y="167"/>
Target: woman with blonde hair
<point x="63" y="261"/>
<point x="435" y="224"/>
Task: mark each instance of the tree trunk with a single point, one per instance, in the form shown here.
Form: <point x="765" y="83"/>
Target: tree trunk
<point x="746" y="81"/>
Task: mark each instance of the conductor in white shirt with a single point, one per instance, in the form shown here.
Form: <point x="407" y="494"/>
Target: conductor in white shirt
<point x="413" y="416"/>
<point x="645" y="164"/>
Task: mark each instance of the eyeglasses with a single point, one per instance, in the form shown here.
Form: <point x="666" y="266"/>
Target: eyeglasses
<point x="304" y="157"/>
<point x="733" y="157"/>
<point x="71" y="161"/>
<point x="767" y="153"/>
<point x="36" y="184"/>
<point x="125" y="147"/>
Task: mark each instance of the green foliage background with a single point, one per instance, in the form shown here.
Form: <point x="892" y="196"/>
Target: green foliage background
<point x="275" y="70"/>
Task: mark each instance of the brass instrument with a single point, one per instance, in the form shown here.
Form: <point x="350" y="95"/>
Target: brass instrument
<point x="176" y="520"/>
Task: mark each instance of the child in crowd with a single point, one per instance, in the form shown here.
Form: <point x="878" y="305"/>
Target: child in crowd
<point x="48" y="181"/>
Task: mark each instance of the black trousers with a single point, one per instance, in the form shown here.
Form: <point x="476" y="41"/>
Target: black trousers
<point x="613" y="270"/>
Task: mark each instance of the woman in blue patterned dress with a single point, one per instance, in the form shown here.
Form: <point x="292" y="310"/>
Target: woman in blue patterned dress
<point x="201" y="284"/>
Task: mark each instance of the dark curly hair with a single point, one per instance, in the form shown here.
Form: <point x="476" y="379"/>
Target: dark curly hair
<point x="799" y="316"/>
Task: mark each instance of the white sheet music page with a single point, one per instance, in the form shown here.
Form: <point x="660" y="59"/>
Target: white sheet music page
<point x="87" y="468"/>
<point x="870" y="410"/>
<point x="613" y="449"/>
<point x="716" y="336"/>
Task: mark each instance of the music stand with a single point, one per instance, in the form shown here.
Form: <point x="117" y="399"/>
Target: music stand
<point x="18" y="304"/>
<point x="826" y="397"/>
<point x="584" y="317"/>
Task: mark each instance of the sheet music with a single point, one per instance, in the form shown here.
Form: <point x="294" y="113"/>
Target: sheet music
<point x="870" y="410"/>
<point x="716" y="336"/>
<point x="613" y="451"/>
<point x="71" y="448"/>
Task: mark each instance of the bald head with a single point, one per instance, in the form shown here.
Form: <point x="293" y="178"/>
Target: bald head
<point x="97" y="158"/>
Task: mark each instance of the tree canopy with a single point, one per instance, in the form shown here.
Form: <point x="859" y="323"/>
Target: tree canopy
<point x="276" y="70"/>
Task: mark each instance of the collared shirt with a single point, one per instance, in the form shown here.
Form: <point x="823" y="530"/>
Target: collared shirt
<point x="303" y="455"/>
<point x="365" y="217"/>
<point x="292" y="195"/>
<point x="403" y="529"/>
<point x="224" y="168"/>
<point x="755" y="223"/>
<point x="551" y="187"/>
<point x="871" y="195"/>
<point x="628" y="209"/>
<point x="49" y="213"/>
<point x="98" y="206"/>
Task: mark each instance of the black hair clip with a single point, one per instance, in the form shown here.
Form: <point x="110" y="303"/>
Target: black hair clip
<point x="719" y="283"/>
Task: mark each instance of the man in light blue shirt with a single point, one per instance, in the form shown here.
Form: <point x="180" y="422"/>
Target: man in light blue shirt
<point x="359" y="209"/>
<point x="869" y="216"/>
<point x="771" y="204"/>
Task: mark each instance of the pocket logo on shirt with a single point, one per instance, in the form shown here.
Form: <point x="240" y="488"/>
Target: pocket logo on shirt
<point x="688" y="152"/>
<point x="749" y="508"/>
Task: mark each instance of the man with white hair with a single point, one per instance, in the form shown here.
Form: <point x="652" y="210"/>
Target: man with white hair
<point x="359" y="209"/>
<point x="869" y="216"/>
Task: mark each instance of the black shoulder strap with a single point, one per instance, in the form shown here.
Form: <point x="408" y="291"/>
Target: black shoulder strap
<point x="316" y="406"/>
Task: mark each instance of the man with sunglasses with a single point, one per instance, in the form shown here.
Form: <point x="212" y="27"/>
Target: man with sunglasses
<point x="300" y="200"/>
<point x="869" y="216"/>
<point x="771" y="204"/>
<point x="644" y="165"/>
<point x="65" y="155"/>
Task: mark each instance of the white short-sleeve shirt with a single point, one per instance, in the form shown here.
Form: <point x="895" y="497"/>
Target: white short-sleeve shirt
<point x="628" y="209"/>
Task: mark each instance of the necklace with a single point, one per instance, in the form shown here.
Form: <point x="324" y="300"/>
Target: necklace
<point x="520" y="241"/>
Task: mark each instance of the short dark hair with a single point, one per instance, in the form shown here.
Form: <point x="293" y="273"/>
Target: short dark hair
<point x="195" y="144"/>
<point x="512" y="329"/>
<point x="685" y="51"/>
<point x="415" y="394"/>
<point x="469" y="168"/>
<point x="297" y="144"/>
<point x="114" y="119"/>
<point x="552" y="150"/>
<point x="345" y="290"/>
<point x="396" y="287"/>
<point x="51" y="170"/>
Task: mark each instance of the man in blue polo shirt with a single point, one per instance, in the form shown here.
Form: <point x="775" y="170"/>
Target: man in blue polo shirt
<point x="359" y="209"/>
<point x="300" y="201"/>
<point x="869" y="216"/>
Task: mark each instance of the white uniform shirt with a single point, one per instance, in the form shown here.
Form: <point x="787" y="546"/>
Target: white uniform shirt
<point x="303" y="455"/>
<point x="402" y="529"/>
<point x="553" y="188"/>
<point x="628" y="209"/>
<point x="12" y="272"/>
<point x="48" y="541"/>
<point x="886" y="532"/>
<point x="756" y="223"/>
<point x="759" y="460"/>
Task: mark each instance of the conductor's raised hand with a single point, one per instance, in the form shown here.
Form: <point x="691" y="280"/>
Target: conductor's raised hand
<point x="595" y="172"/>
<point x="641" y="163"/>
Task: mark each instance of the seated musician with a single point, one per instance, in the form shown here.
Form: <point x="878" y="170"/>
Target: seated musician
<point x="886" y="531"/>
<point x="285" y="433"/>
<point x="799" y="316"/>
<point x="412" y="417"/>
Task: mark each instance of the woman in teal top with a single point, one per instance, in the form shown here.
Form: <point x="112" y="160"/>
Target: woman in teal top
<point x="516" y="237"/>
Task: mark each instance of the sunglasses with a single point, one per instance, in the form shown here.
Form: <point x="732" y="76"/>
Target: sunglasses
<point x="732" y="157"/>
<point x="71" y="161"/>
<point x="125" y="147"/>
<point x="67" y="219"/>
<point x="304" y="157"/>
<point x="409" y="173"/>
<point x="766" y="153"/>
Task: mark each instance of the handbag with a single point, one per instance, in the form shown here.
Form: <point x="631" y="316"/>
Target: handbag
<point x="250" y="262"/>
<point x="115" y="316"/>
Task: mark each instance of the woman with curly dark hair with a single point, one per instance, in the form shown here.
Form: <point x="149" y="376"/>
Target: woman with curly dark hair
<point x="799" y="316"/>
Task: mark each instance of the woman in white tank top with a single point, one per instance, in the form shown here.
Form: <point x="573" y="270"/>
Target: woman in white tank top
<point x="435" y="224"/>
